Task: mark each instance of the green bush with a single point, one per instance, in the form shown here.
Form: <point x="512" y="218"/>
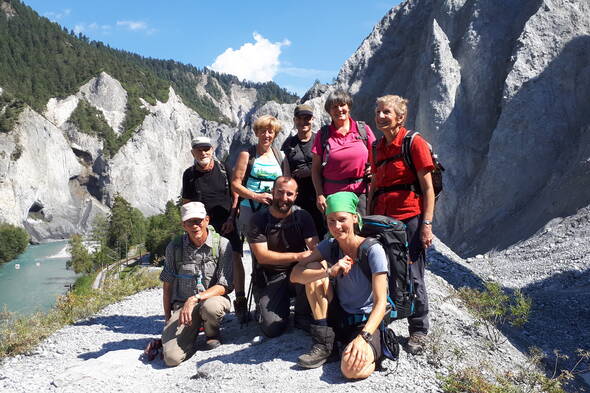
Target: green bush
<point x="494" y="308"/>
<point x="13" y="241"/>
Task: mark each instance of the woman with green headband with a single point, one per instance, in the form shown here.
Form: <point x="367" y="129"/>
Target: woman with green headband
<point x="351" y="307"/>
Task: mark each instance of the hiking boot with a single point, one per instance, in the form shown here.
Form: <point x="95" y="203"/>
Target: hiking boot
<point x="241" y="308"/>
<point x="416" y="343"/>
<point x="322" y="349"/>
<point x="212" y="343"/>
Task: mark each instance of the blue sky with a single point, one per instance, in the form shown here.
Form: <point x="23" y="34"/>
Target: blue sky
<point x="290" y="42"/>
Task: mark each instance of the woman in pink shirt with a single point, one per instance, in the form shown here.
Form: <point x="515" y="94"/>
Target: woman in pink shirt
<point x="341" y="153"/>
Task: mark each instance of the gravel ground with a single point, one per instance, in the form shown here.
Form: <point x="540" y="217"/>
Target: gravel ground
<point x="553" y="269"/>
<point x="104" y="352"/>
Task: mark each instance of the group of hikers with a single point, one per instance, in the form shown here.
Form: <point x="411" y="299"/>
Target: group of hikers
<point x="300" y="210"/>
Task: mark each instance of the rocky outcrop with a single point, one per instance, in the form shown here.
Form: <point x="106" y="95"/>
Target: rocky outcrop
<point x="505" y="101"/>
<point x="38" y="181"/>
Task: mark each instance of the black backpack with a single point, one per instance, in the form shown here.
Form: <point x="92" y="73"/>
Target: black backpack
<point x="391" y="234"/>
<point x="437" y="176"/>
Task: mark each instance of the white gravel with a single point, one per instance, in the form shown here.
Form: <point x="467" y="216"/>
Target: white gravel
<point x="103" y="353"/>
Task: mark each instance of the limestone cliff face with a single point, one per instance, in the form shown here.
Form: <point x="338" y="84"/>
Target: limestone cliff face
<point x="502" y="90"/>
<point x="54" y="179"/>
<point x="38" y="186"/>
<point x="147" y="171"/>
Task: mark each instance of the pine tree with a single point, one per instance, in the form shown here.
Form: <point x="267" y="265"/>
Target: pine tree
<point x="80" y="261"/>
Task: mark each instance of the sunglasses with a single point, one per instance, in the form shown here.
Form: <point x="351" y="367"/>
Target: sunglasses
<point x="304" y="117"/>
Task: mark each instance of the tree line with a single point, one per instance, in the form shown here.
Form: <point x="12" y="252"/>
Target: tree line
<point x="13" y="241"/>
<point x="39" y="60"/>
<point x="112" y="237"/>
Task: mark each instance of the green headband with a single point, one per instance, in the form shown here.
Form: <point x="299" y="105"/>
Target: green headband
<point x="343" y="201"/>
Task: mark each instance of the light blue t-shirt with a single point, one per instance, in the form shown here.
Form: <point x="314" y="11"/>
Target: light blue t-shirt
<point x="262" y="176"/>
<point x="355" y="291"/>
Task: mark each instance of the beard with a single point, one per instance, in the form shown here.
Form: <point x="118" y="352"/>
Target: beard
<point x="204" y="162"/>
<point x="283" y="207"/>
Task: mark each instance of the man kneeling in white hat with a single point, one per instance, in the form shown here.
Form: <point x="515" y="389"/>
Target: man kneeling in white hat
<point x="197" y="278"/>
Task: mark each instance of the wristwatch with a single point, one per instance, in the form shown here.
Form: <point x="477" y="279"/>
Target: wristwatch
<point x="366" y="336"/>
<point x="198" y="297"/>
<point x="427" y="222"/>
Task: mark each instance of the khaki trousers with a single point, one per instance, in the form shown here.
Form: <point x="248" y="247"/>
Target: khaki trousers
<point x="179" y="341"/>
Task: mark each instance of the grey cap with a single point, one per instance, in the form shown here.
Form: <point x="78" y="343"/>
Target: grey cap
<point x="201" y="141"/>
<point x="303" y="109"/>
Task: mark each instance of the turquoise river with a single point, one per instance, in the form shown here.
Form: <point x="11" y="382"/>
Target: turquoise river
<point x="34" y="280"/>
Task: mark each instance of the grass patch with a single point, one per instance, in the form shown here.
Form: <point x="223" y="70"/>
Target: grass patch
<point x="83" y="285"/>
<point x="21" y="334"/>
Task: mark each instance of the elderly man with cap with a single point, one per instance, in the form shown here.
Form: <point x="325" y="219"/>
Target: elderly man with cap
<point x="297" y="149"/>
<point x="207" y="181"/>
<point x="197" y="277"/>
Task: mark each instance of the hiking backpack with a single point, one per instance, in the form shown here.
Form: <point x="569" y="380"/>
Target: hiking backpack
<point x="325" y="135"/>
<point x="391" y="234"/>
<point x="437" y="176"/>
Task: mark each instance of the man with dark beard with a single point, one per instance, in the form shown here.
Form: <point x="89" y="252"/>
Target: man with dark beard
<point x="279" y="237"/>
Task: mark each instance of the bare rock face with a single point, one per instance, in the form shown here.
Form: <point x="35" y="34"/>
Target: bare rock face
<point x="502" y="90"/>
<point x="107" y="95"/>
<point x="38" y="172"/>
<point x="147" y="171"/>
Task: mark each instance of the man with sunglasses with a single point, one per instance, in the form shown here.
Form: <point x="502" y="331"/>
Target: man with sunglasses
<point x="197" y="278"/>
<point x="297" y="149"/>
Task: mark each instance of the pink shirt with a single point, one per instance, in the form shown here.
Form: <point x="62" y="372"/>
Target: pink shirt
<point x="348" y="157"/>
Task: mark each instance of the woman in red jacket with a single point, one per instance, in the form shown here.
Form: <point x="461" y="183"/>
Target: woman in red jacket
<point x="398" y="191"/>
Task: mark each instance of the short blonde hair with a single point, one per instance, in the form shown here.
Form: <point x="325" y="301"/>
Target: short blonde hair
<point x="266" y="121"/>
<point x="399" y="105"/>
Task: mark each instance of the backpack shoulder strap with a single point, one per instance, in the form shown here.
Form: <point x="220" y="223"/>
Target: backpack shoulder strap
<point x="251" y="159"/>
<point x="223" y="171"/>
<point x="216" y="247"/>
<point x="324" y="136"/>
<point x="278" y="156"/>
<point x="362" y="128"/>
<point x="178" y="248"/>
<point x="406" y="149"/>
<point x="363" y="254"/>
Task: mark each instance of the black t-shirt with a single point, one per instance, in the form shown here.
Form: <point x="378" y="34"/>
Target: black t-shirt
<point x="211" y="188"/>
<point x="282" y="235"/>
<point x="298" y="153"/>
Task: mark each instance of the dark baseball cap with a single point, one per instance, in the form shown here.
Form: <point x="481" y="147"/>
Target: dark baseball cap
<point x="303" y="110"/>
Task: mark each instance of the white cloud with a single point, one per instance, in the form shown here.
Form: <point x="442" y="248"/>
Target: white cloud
<point x="257" y="62"/>
<point x="132" y="25"/>
<point x="91" y="27"/>
<point x="57" y="15"/>
<point x="136" y="25"/>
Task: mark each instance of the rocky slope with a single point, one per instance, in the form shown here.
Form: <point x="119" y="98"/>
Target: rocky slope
<point x="502" y="90"/>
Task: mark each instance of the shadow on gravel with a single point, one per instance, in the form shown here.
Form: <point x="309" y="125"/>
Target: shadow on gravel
<point x="454" y="273"/>
<point x="128" y="324"/>
<point x="139" y="343"/>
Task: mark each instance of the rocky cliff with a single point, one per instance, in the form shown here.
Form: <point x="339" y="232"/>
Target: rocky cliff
<point x="502" y="90"/>
<point x="55" y="178"/>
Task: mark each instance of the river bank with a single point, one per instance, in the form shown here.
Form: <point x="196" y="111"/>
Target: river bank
<point x="33" y="281"/>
